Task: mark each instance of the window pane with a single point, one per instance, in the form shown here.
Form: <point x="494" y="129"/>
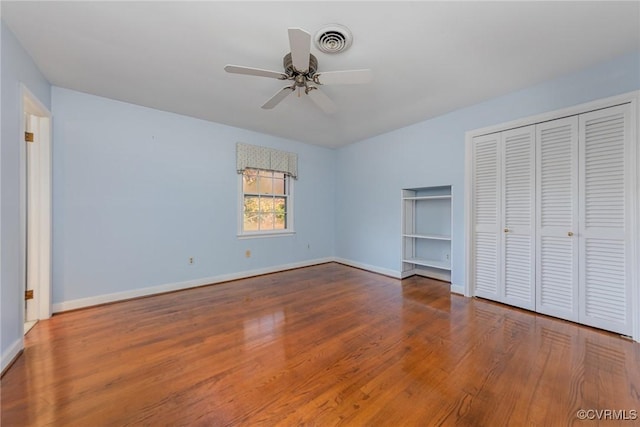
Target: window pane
<point x="250" y="204"/>
<point x="250" y="181"/>
<point x="265" y="200"/>
<point x="280" y="224"/>
<point x="265" y="185"/>
<point x="279" y="204"/>
<point x="250" y="186"/>
<point x="280" y="208"/>
<point x="266" y="204"/>
<point x="278" y="186"/>
<point x="250" y="222"/>
<point x="267" y="221"/>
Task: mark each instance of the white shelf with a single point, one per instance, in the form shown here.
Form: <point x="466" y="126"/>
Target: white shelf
<point x="426" y="232"/>
<point x="444" y="196"/>
<point x="428" y="236"/>
<point x="443" y="265"/>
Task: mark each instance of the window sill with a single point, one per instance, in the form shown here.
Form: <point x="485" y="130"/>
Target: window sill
<point x="258" y="235"/>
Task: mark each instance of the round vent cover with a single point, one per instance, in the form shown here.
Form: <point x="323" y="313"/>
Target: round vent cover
<point x="333" y="38"/>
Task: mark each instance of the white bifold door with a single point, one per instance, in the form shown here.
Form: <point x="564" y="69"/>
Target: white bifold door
<point x="518" y="201"/>
<point x="604" y="231"/>
<point x="504" y="217"/>
<point x="557" y="218"/>
<point x="486" y="217"/>
<point x="552" y="216"/>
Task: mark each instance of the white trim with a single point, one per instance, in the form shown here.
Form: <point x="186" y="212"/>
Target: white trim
<point x="258" y="235"/>
<point x="630" y="97"/>
<point x="431" y="273"/>
<point x="290" y="230"/>
<point x="11" y="353"/>
<point x="597" y="104"/>
<point x="44" y="251"/>
<point x="447" y="196"/>
<point x="168" y="287"/>
<point x="469" y="279"/>
<point x="635" y="231"/>
<point x="457" y="289"/>
<point x="372" y="268"/>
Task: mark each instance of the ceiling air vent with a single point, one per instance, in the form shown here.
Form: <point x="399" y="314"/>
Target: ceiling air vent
<point x="333" y="38"/>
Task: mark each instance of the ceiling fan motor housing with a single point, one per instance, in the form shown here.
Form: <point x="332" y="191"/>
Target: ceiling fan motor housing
<point x="288" y="66"/>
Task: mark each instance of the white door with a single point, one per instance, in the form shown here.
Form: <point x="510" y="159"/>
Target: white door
<point x="556" y="218"/>
<point x="33" y="183"/>
<point x="604" y="233"/>
<point x="487" y="235"/>
<point x="518" y="201"/>
<point x="35" y="222"/>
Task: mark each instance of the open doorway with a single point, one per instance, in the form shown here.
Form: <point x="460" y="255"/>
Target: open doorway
<point x="36" y="209"/>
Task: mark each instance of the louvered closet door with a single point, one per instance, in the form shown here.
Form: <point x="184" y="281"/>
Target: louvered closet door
<point x="518" y="180"/>
<point x="605" y="197"/>
<point x="556" y="218"/>
<point x="486" y="209"/>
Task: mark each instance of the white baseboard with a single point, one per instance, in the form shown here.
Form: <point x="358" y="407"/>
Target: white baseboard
<point x="433" y="274"/>
<point x="407" y="273"/>
<point x="385" y="271"/>
<point x="457" y="289"/>
<point x="430" y="273"/>
<point x="11" y="353"/>
<point x="168" y="287"/>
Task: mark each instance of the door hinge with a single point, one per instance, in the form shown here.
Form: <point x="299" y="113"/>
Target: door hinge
<point x="28" y="136"/>
<point x="28" y="294"/>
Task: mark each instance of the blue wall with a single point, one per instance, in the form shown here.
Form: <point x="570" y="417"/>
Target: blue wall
<point x="371" y="173"/>
<point x="17" y="67"/>
<point x="138" y="191"/>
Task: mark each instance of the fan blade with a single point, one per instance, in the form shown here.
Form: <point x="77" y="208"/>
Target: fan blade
<point x="238" y="69"/>
<point x="278" y="97"/>
<point x="347" y="77"/>
<point x="322" y="100"/>
<point x="300" y="44"/>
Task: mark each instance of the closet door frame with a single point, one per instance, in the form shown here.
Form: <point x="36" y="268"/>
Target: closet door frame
<point x="631" y="98"/>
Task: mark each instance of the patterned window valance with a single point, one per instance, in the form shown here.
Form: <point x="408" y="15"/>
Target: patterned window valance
<point x="255" y="157"/>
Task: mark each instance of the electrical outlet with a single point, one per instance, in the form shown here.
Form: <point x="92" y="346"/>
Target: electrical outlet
<point x="447" y="257"/>
<point x="247" y="253"/>
<point x="190" y="260"/>
<point x="308" y="245"/>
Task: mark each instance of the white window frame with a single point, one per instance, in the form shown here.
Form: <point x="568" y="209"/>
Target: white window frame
<point x="270" y="233"/>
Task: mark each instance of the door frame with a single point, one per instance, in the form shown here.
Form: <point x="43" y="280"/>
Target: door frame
<point x="29" y="103"/>
<point x="631" y="98"/>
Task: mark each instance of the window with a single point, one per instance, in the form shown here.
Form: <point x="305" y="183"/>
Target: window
<point x="265" y="187"/>
<point x="266" y="202"/>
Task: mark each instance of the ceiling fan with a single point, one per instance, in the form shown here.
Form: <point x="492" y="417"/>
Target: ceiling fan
<point x="301" y="69"/>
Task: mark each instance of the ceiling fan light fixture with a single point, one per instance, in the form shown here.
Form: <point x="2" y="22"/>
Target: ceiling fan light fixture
<point x="300" y="70"/>
<point x="333" y="38"/>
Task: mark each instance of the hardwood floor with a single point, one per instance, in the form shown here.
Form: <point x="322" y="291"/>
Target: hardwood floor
<point x="324" y="345"/>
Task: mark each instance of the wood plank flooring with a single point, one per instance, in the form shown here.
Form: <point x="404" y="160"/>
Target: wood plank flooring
<point x="320" y="346"/>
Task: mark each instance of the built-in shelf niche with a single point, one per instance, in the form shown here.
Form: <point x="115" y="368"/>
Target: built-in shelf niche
<point x="426" y="232"/>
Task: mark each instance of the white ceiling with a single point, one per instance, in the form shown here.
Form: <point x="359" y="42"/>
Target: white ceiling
<point x="428" y="58"/>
